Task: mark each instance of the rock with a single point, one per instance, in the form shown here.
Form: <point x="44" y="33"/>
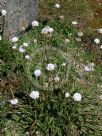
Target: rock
<point x="20" y="14"/>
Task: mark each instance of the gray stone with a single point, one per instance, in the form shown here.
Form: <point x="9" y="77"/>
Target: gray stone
<point x="20" y="14"/>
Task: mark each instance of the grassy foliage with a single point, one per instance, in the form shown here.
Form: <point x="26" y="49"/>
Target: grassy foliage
<point x="52" y="114"/>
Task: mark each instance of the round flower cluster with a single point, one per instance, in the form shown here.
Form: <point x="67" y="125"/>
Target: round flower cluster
<point x="3" y="12"/>
<point x="35" y="23"/>
<point x="27" y="57"/>
<point x="96" y="40"/>
<point x="14" y="39"/>
<point x="21" y="49"/>
<point x="100" y="30"/>
<point x="80" y="34"/>
<point x="77" y="97"/>
<point x="14" y="101"/>
<point x="50" y="67"/>
<point x="37" y="73"/>
<point x="57" y="5"/>
<point x="89" y="67"/>
<point x="74" y="22"/>
<point x="34" y="95"/>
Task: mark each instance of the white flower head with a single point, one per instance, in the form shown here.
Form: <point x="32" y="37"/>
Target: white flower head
<point x="88" y="68"/>
<point x="101" y="47"/>
<point x="21" y="49"/>
<point x="57" y="79"/>
<point x="78" y="39"/>
<point x="57" y="5"/>
<point x="3" y="12"/>
<point x="25" y="44"/>
<point x="37" y="132"/>
<point x="74" y="22"/>
<point x="35" y="23"/>
<point x="50" y="30"/>
<point x="77" y="97"/>
<point x="14" y="101"/>
<point x="100" y="97"/>
<point x="100" y="30"/>
<point x="27" y="57"/>
<point x="64" y="64"/>
<point x="37" y="73"/>
<point x="23" y="28"/>
<point x="50" y="67"/>
<point x="67" y="94"/>
<point x="96" y="40"/>
<point x="0" y="38"/>
<point x="67" y="41"/>
<point x="14" y="39"/>
<point x="80" y="34"/>
<point x="92" y="64"/>
<point x="47" y="30"/>
<point x="35" y="40"/>
<point x="62" y="17"/>
<point x="14" y="47"/>
<point x="34" y="95"/>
